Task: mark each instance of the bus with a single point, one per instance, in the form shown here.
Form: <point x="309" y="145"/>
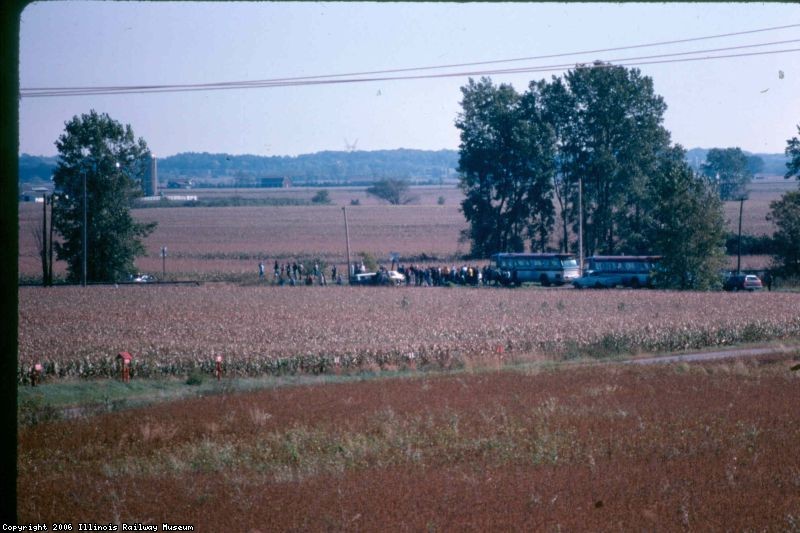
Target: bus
<point x="547" y="269"/>
<point x="608" y="271"/>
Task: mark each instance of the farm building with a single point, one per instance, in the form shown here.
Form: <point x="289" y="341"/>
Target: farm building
<point x="150" y="178"/>
<point x="276" y="183"/>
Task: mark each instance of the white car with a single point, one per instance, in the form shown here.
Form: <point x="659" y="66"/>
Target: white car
<point x="365" y="278"/>
<point x="396" y="277"/>
<point x="384" y="277"/>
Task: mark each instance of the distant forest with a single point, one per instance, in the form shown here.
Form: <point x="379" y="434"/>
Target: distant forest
<point x="322" y="167"/>
<point x="327" y="168"/>
<point x="763" y="164"/>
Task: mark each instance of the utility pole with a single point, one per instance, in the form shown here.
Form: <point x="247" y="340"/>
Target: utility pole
<point x="347" y="241"/>
<point x="739" y="245"/>
<point x="44" y="239"/>
<point x="50" y="252"/>
<point x="163" y="262"/>
<point x="580" y="225"/>
<point x="84" y="244"/>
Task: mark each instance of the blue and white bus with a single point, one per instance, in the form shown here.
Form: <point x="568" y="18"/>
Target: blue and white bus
<point x="608" y="271"/>
<point x="519" y="268"/>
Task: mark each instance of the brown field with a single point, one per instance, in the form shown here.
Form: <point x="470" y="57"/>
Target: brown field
<point x="267" y="329"/>
<point x="604" y="448"/>
<point x="754" y="213"/>
<point x="234" y="239"/>
<point x="205" y="241"/>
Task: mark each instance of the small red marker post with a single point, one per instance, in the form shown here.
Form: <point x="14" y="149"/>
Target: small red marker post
<point x="218" y="368"/>
<point x="36" y="374"/>
<point x="126" y="358"/>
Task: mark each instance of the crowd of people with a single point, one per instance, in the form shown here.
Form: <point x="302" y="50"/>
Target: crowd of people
<point x="296" y="273"/>
<point x="437" y="276"/>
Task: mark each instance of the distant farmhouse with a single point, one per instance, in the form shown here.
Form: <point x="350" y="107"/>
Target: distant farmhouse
<point x="36" y="194"/>
<point x="276" y="183"/>
<point x="31" y="197"/>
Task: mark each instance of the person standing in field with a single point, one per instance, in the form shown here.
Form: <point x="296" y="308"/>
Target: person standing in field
<point x="261" y="269"/>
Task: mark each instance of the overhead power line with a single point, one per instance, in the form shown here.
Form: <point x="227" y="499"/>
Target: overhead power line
<point x="652" y="60"/>
<point x="349" y="77"/>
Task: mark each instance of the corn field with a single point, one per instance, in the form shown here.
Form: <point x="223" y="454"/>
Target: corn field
<point x="172" y="331"/>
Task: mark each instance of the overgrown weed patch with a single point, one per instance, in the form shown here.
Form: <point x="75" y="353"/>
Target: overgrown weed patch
<point x="636" y="447"/>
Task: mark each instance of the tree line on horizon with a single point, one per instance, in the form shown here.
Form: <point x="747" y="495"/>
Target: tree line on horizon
<point x="321" y="167"/>
<point x="333" y="166"/>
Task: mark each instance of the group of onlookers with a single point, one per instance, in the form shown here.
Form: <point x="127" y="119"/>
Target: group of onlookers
<point x="296" y="273"/>
<point x="437" y="276"/>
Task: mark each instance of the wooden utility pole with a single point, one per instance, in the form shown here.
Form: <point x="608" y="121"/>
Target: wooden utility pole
<point x="580" y="225"/>
<point x="739" y="245"/>
<point x="347" y="242"/>
<point x="50" y="243"/>
<point x="44" y="239"/>
<point x="84" y="234"/>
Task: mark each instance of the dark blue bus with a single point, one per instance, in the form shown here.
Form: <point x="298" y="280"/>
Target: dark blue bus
<point x="547" y="269"/>
<point x="607" y="271"/>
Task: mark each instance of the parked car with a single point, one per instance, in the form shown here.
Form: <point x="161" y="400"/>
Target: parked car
<point x="742" y="282"/>
<point x="396" y="277"/>
<point x="143" y="278"/>
<point x="365" y="278"/>
<point x="384" y="277"/>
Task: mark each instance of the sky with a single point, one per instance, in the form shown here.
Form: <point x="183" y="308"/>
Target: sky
<point x="750" y="102"/>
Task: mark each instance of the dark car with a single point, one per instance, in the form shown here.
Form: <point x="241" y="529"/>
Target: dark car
<point x="742" y="282"/>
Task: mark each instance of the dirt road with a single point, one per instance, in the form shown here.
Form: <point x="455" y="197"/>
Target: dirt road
<point x="711" y="356"/>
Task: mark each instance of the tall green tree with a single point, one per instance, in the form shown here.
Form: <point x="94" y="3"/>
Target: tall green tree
<point x="600" y="126"/>
<point x="793" y="152"/>
<point x="686" y="225"/>
<point x="755" y="164"/>
<point x="614" y="135"/>
<point x="557" y="109"/>
<point x="102" y="155"/>
<point x="729" y="170"/>
<point x="506" y="165"/>
<point x="785" y="213"/>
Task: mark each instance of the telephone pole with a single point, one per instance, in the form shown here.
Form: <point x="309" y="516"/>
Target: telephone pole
<point x="739" y="245"/>
<point x="580" y="225"/>
<point x="347" y="241"/>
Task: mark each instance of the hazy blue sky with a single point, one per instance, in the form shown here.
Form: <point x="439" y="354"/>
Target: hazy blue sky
<point x="725" y="102"/>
